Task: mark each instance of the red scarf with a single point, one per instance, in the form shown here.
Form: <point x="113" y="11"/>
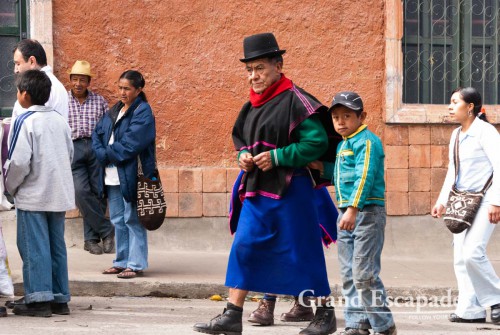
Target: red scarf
<point x="275" y="89"/>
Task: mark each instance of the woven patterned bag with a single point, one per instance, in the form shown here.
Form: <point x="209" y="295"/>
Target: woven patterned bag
<point x="462" y="206"/>
<point x="151" y="205"/>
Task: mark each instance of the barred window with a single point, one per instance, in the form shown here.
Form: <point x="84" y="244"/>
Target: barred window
<point x="13" y="27"/>
<point x="450" y="43"/>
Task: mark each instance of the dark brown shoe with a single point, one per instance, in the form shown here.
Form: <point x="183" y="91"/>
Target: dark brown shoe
<point x="264" y="314"/>
<point x="298" y="312"/>
<point x="108" y="243"/>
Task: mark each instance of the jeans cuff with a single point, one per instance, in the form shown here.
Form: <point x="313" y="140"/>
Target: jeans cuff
<point x="357" y="325"/>
<point x="62" y="298"/>
<point x="44" y="296"/>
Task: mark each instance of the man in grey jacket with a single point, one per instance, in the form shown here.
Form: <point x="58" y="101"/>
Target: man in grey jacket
<point x="38" y="176"/>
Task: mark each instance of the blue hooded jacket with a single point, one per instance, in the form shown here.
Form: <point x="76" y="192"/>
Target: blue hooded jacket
<point x="134" y="135"/>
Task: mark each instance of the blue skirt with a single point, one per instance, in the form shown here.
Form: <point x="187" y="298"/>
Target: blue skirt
<point x="277" y="247"/>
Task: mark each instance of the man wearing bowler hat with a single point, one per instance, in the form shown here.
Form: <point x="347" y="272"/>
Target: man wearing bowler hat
<point x="85" y="109"/>
<point x="277" y="246"/>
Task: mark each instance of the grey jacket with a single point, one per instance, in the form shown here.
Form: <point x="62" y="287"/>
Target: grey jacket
<point x="38" y="169"/>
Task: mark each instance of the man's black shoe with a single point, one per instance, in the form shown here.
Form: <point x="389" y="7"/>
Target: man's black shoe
<point x="324" y="323"/>
<point x="10" y="304"/>
<point x="495" y="314"/>
<point x="3" y="312"/>
<point x="59" y="308"/>
<point x="227" y="323"/>
<point x="455" y="318"/>
<point x="41" y="309"/>
<point x="93" y="247"/>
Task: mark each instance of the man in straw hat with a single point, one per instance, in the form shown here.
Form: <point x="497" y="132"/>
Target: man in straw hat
<point x="277" y="246"/>
<point x="85" y="109"/>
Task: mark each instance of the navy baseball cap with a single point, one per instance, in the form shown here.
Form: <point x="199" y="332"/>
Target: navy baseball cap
<point x="349" y="99"/>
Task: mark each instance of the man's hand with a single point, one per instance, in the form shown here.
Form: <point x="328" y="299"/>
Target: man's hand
<point x="263" y="161"/>
<point x="245" y="162"/>
<point x="317" y="165"/>
<point x="494" y="213"/>
<point x="348" y="220"/>
<point x="437" y="210"/>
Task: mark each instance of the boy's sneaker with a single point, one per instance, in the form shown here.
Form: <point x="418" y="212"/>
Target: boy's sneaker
<point x="59" y="308"/>
<point x="41" y="309"/>
<point x="3" y="312"/>
<point x="354" y="331"/>
<point x="391" y="331"/>
<point x="324" y="323"/>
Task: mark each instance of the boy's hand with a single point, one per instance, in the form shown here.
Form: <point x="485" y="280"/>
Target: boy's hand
<point x="348" y="220"/>
<point x="246" y="162"/>
<point x="437" y="210"/>
<point x="263" y="161"/>
<point x="317" y="165"/>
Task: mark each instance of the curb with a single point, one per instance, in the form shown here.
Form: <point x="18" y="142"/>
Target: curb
<point x="206" y="290"/>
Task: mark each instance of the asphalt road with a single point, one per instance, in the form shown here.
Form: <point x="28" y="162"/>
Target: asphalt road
<point x="121" y="315"/>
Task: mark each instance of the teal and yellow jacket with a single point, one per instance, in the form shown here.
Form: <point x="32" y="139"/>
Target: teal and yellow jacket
<point x="358" y="172"/>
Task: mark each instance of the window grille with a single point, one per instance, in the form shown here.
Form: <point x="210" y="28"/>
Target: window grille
<point x="450" y="43"/>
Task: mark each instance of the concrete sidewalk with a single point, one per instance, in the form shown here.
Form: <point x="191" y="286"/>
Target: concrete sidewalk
<point x="188" y="259"/>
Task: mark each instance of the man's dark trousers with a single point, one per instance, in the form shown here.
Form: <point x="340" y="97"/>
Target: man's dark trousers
<point x="85" y="177"/>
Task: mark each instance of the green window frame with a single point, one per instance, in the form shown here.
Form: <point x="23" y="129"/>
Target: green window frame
<point x="450" y="43"/>
<point x="13" y="28"/>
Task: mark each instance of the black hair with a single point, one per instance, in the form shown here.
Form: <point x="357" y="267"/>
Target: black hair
<point x="472" y="96"/>
<point x="33" y="48"/>
<point x="275" y="59"/>
<point x="137" y="80"/>
<point x="37" y="84"/>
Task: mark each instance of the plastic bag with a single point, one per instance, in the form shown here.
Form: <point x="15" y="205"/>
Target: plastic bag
<point x="6" y="287"/>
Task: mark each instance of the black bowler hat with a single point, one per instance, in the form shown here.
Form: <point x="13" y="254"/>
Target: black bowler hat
<point x="260" y="46"/>
<point x="348" y="99"/>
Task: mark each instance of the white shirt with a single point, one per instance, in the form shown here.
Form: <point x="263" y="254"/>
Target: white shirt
<point x="479" y="157"/>
<point x="58" y="99"/>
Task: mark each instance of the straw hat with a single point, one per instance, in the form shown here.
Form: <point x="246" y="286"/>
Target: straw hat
<point x="81" y="67"/>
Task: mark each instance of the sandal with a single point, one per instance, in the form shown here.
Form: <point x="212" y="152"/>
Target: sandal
<point x="129" y="274"/>
<point x="114" y="270"/>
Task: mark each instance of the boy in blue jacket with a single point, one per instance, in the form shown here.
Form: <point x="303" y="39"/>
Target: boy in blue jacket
<point x="358" y="176"/>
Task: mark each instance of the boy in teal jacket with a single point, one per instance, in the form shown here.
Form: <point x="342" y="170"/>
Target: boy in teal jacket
<point x="358" y="176"/>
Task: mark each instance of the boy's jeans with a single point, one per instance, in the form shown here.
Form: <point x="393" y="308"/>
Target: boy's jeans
<point x="40" y="240"/>
<point x="130" y="236"/>
<point x="359" y="256"/>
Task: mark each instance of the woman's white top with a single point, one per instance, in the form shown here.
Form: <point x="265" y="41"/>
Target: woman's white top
<point x="111" y="172"/>
<point x="479" y="152"/>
